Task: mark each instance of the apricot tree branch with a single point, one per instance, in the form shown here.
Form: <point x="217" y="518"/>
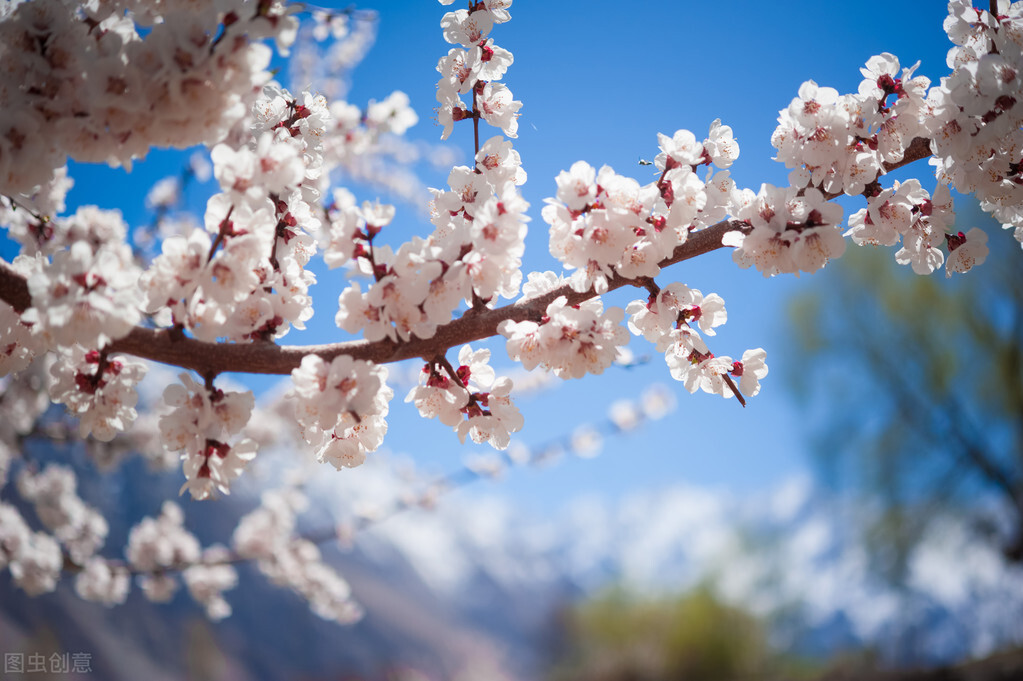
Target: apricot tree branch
<point x="265" y="357"/>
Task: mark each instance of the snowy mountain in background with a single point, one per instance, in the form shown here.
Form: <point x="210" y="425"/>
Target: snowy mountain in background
<point x="472" y="589"/>
<point x="793" y="549"/>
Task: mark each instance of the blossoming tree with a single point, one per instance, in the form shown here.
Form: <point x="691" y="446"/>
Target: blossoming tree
<point x="83" y="311"/>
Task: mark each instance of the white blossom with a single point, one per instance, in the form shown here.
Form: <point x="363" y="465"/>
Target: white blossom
<point x="341" y="407"/>
<point x="966" y="251"/>
<point x="99" y="581"/>
<point x="207" y="580"/>
<point x="158" y="543"/>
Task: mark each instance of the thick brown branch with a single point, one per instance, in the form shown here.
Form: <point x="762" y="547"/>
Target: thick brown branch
<point x="14" y="288"/>
<point x="267" y="358"/>
<point x="919" y="148"/>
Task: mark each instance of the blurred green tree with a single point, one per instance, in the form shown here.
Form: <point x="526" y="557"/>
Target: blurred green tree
<point x="913" y="389"/>
<point x="616" y="636"/>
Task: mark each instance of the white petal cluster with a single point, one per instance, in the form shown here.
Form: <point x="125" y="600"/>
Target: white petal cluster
<point x="274" y="166"/>
<point x="701" y="370"/>
<point x="87" y="295"/>
<point x="475" y="69"/>
<point x="889" y="214"/>
<point x="474" y="401"/>
<point x="673" y="306"/>
<point x="173" y="276"/>
<point x="81" y="529"/>
<point x="343" y="225"/>
<point x="473" y="255"/>
<point x="94" y="226"/>
<point x="31" y="218"/>
<point x="101" y="582"/>
<point x="750" y="370"/>
<point x="838" y="143"/>
<point x="156" y="545"/>
<point x="603" y="224"/>
<point x="261" y="533"/>
<point x="82" y="279"/>
<point x="499" y="163"/>
<point x="268" y="536"/>
<point x="570" y="340"/>
<point x="100" y="390"/>
<point x="34" y="558"/>
<point x="25" y="401"/>
<point x="200" y="424"/>
<point x="792" y="231"/>
<point x="20" y="344"/>
<point x="245" y="278"/>
<point x="976" y="115"/>
<point x="907" y="213"/>
<point x="21" y="341"/>
<point x="672" y="319"/>
<point x="972" y="118"/>
<point x="341" y="407"/>
<point x="36" y="568"/>
<point x="499" y="109"/>
<point x="395" y="304"/>
<point x="209" y="579"/>
<point x="104" y="82"/>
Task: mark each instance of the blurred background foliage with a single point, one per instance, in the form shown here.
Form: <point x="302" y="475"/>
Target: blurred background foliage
<point x="621" y="636"/>
<point x="913" y="389"/>
<point x="913" y="392"/>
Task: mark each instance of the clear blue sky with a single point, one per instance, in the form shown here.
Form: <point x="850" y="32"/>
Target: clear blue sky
<point x="598" y="81"/>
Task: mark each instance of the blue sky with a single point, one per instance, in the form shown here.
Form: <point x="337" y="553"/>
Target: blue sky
<point x="598" y="81"/>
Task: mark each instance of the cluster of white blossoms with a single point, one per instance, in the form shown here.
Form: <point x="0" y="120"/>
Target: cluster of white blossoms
<point x="667" y="319"/>
<point x="268" y="536"/>
<point x="244" y="278"/>
<point x="106" y="81"/>
<point x="906" y="212"/>
<point x="81" y="530"/>
<point x="201" y="421"/>
<point x="99" y="390"/>
<point x="341" y="407"/>
<point x="474" y="253"/>
<point x="970" y="123"/>
<point x="157" y="547"/>
<point x="569" y="340"/>
<point x="603" y="224"/>
<point x="160" y="547"/>
<point x="209" y="578"/>
<point x="21" y="341"/>
<point x="839" y="143"/>
<point x="793" y="230"/>
<point x="85" y="292"/>
<point x="471" y="399"/>
<point x="103" y="582"/>
<point x="976" y="114"/>
<point x="606" y="226"/>
<point x="474" y="69"/>
<point x="34" y="558"/>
